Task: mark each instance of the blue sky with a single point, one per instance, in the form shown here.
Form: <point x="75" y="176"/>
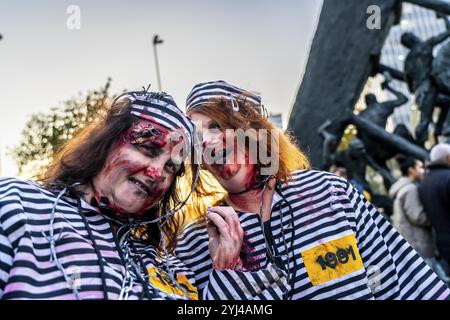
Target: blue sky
<point x="260" y="45"/>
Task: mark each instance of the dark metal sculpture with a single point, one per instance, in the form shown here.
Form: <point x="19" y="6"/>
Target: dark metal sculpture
<point x="419" y="77"/>
<point x="344" y="53"/>
<point x="355" y="160"/>
<point x="442" y="126"/>
<point x="390" y="139"/>
<point x="340" y="61"/>
<point x="378" y="113"/>
<point x="378" y="144"/>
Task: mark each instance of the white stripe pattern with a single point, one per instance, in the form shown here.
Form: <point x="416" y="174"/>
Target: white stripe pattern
<point x="206" y="92"/>
<point x="325" y="208"/>
<point x="26" y="271"/>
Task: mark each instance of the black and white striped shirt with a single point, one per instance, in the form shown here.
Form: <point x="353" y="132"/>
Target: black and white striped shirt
<point x="337" y="244"/>
<point x="26" y="268"/>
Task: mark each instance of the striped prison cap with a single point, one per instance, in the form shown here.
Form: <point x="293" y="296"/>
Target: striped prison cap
<point x="209" y="92"/>
<point x="160" y="108"/>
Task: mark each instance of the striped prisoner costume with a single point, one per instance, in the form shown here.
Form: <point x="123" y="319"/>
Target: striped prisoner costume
<point x="28" y="272"/>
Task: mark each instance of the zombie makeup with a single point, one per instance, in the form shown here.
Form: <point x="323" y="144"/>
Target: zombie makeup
<point x="153" y="137"/>
<point x="237" y="168"/>
<point x="146" y="132"/>
<point x="139" y="169"/>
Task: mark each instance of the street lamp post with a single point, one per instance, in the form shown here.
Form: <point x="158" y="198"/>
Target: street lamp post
<point x="156" y="41"/>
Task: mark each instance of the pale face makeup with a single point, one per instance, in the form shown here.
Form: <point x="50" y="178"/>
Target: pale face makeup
<point x="228" y="168"/>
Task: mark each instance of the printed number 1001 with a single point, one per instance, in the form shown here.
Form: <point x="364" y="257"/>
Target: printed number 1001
<point x="331" y="259"/>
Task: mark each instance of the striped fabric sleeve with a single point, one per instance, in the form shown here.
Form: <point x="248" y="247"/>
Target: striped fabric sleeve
<point x="192" y="250"/>
<point x="269" y="283"/>
<point x="6" y="259"/>
<point x="394" y="269"/>
<point x="258" y="279"/>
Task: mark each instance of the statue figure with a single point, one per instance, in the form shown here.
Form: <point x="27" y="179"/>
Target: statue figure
<point x="418" y="70"/>
<point x="402" y="131"/>
<point x="355" y="159"/>
<point x="442" y="124"/>
<point x="446" y="129"/>
<point x="378" y="113"/>
<point x="329" y="145"/>
<point x="441" y="75"/>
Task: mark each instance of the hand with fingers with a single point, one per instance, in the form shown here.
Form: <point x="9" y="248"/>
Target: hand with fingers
<point x="225" y="238"/>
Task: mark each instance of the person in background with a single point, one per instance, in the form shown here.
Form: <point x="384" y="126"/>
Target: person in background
<point x="409" y="217"/>
<point x="434" y="192"/>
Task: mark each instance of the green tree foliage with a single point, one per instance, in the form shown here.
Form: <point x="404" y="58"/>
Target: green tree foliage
<point x="44" y="133"/>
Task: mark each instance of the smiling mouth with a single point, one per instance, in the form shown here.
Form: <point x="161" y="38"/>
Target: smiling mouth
<point x="142" y="186"/>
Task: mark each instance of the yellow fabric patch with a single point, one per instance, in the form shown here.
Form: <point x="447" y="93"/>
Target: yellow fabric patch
<point x="331" y="260"/>
<point x="161" y="280"/>
<point x="367" y="195"/>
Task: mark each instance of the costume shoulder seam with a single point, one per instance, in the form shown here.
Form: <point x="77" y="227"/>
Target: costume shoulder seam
<point x="315" y="174"/>
<point x="190" y="227"/>
<point x="7" y="184"/>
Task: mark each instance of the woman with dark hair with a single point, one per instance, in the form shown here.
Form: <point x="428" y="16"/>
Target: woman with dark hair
<point x="278" y="217"/>
<point x="100" y="225"/>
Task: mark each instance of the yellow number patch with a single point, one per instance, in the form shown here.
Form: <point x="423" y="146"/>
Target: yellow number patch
<point x="331" y="260"/>
<point x="161" y="280"/>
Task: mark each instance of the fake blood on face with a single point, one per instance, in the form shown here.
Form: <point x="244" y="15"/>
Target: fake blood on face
<point x="146" y="132"/>
<point x="117" y="179"/>
<point x="153" y="134"/>
<point x="134" y="177"/>
<point x="250" y="174"/>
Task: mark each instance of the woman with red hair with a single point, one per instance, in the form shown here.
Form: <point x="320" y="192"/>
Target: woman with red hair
<point x="280" y="229"/>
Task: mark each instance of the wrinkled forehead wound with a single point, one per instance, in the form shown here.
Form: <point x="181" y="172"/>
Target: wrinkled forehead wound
<point x="159" y="108"/>
<point x="209" y="92"/>
<point x="143" y="131"/>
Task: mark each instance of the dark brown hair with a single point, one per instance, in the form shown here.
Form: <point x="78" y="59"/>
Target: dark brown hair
<point x="83" y="157"/>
